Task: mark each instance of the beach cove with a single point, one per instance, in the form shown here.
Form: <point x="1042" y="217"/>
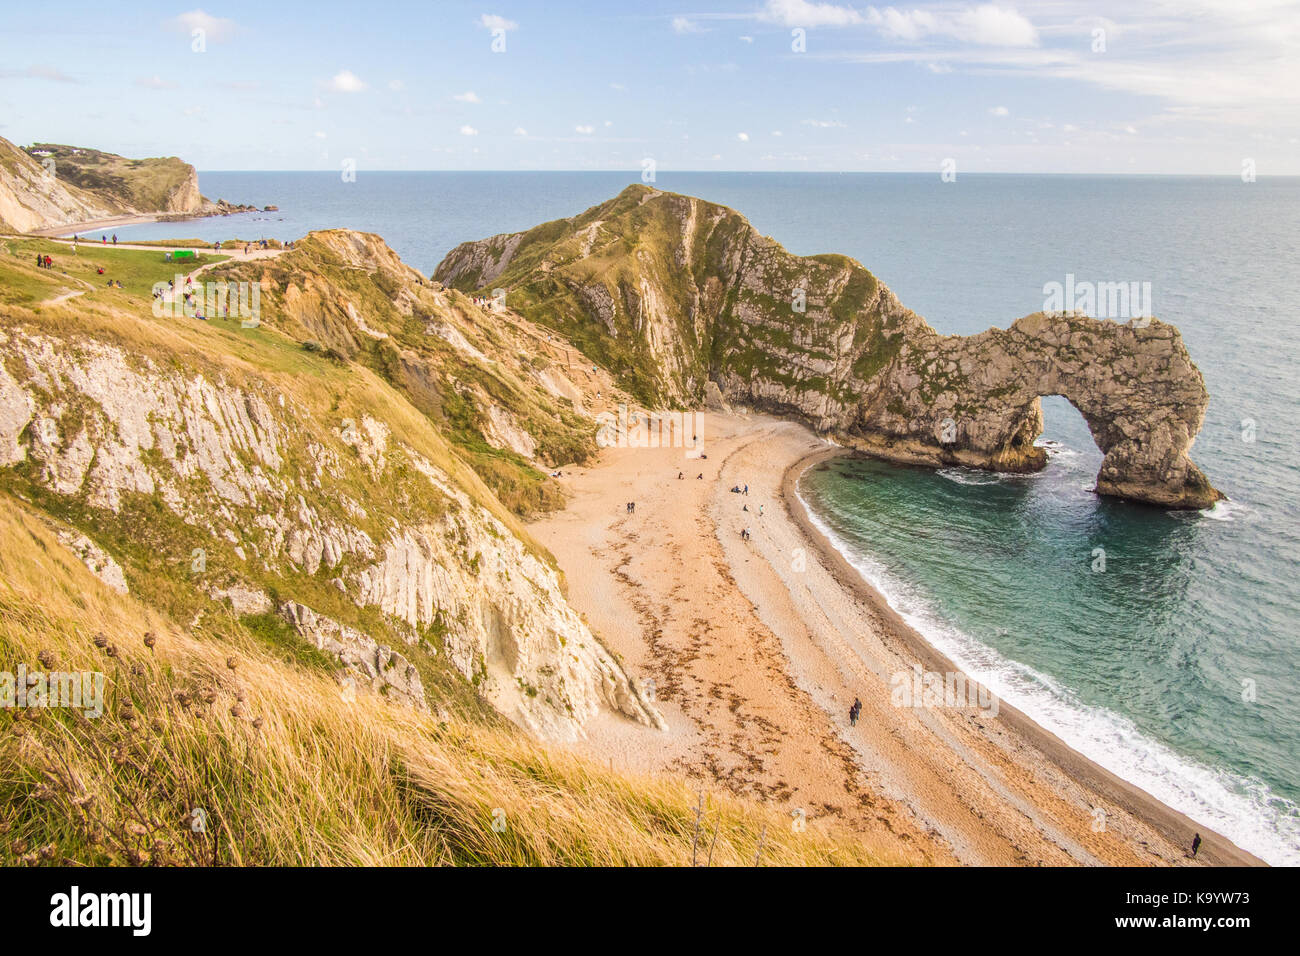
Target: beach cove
<point x="758" y="647"/>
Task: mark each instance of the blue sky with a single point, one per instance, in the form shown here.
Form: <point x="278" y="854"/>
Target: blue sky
<point x="1184" y="86"/>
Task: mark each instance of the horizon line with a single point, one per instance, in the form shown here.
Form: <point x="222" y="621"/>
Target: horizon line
<point x="773" y="172"/>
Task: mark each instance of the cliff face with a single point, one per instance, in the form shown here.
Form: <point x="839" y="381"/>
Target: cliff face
<point x="232" y="477"/>
<point x="52" y="185"/>
<point x="674" y="293"/>
<point x="504" y="391"/>
<point x="31" y="198"/>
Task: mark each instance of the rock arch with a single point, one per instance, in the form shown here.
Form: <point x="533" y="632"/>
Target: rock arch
<point x="975" y="400"/>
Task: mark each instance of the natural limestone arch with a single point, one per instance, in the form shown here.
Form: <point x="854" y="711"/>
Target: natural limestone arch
<point x="975" y="401"/>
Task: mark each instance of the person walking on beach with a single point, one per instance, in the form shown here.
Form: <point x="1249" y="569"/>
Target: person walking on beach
<point x="854" y="712"/>
<point x="1196" y="845"/>
<point x="746" y="491"/>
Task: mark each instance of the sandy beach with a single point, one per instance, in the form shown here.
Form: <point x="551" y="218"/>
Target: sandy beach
<point x="757" y="648"/>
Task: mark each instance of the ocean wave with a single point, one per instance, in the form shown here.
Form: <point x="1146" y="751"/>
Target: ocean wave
<point x="1226" y="510"/>
<point x="970" y="476"/>
<point x="1243" y="809"/>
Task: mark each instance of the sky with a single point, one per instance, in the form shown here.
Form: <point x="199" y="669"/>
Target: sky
<point x="1050" y="86"/>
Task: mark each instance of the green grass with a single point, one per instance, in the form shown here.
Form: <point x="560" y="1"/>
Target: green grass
<point x="21" y="283"/>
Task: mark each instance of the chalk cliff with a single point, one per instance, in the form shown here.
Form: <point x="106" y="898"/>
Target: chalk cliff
<point x="49" y="185"/>
<point x="248" y="477"/>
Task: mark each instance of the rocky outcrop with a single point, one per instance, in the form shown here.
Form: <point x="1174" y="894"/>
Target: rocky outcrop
<point x="50" y="185"/>
<point x="32" y="197"/>
<point x="386" y="672"/>
<point x="96" y="559"/>
<point x="684" y="296"/>
<point x="234" y="484"/>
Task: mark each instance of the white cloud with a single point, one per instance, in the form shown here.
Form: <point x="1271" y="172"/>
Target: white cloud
<point x="520" y="131"/>
<point x="743" y="137"/>
<point x="1130" y="129"/>
<point x="999" y="111"/>
<point x="469" y="96"/>
<point x="777" y="132"/>
<point x="345" y="81"/>
<point x="319" y="134"/>
<point x="490" y="21"/>
<point x="745" y="39"/>
<point x="822" y="124"/>
<point x="396" y="85"/>
<point x="584" y="130"/>
<point x="215" y="29"/>
<point x="683" y="25"/>
<point x="468" y="130"/>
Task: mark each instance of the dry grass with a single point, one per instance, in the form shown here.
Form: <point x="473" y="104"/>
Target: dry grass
<point x="282" y="769"/>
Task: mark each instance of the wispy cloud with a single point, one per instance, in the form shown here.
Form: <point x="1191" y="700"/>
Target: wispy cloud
<point x="469" y="96"/>
<point x="155" y="82"/>
<point x="491" y="21"/>
<point x="39" y="71"/>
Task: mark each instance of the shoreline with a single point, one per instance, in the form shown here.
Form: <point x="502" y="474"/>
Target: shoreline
<point x="116" y="222"/>
<point x="1171" y="823"/>
<point x="757" y="644"/>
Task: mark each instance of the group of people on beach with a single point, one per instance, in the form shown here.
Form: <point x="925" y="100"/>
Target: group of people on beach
<point x="855" y="711"/>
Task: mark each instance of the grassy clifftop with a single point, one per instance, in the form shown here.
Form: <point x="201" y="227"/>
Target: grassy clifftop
<point x="160" y="184"/>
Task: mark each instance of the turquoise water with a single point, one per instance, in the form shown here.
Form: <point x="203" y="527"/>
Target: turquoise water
<point x="1140" y="666"/>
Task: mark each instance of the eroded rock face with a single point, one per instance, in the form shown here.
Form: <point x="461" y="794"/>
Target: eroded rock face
<point x="166" y="457"/>
<point x="384" y="670"/>
<point x="974" y="400"/>
<point x="686" y="295"/>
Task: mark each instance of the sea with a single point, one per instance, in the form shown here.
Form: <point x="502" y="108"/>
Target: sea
<point x="1163" y="645"/>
